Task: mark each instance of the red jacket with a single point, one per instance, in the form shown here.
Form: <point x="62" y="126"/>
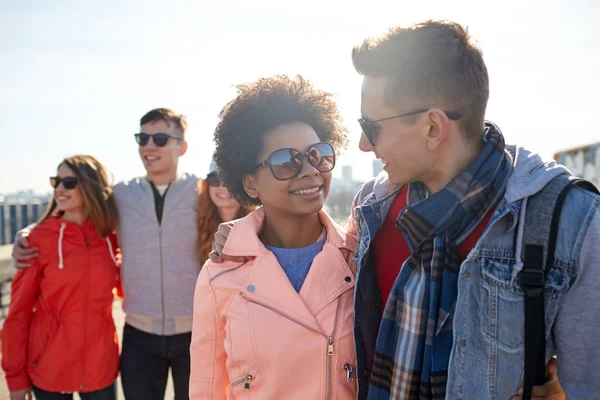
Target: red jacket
<point x="59" y="333"/>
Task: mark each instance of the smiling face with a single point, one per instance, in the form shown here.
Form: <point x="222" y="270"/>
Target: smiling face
<point x="68" y="200"/>
<point x="303" y="195"/>
<point x="221" y="198"/>
<point x="162" y="160"/>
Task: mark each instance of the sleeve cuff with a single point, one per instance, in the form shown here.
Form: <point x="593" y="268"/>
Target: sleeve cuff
<point x="18" y="382"/>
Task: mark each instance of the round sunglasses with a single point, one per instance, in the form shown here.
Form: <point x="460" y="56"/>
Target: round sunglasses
<point x="287" y="163"/>
<point x="159" y="139"/>
<point x="69" y="182"/>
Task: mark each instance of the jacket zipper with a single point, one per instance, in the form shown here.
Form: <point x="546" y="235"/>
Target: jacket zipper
<point x="349" y="372"/>
<point x="246" y="380"/>
<point x="162" y="289"/>
<point x="330" y="347"/>
<point x="85" y="314"/>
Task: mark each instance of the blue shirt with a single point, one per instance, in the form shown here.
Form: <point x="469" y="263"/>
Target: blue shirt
<point x="296" y="262"/>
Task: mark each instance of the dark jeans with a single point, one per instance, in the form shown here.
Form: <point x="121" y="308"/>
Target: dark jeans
<point x="109" y="393"/>
<point x="145" y="362"/>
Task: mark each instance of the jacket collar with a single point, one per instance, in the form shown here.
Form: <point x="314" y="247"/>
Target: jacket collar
<point x="243" y="239"/>
<point x="267" y="284"/>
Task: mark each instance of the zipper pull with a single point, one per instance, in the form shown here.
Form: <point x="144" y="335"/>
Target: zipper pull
<point x="349" y="373"/>
<point x="330" y="346"/>
<point x="247" y="383"/>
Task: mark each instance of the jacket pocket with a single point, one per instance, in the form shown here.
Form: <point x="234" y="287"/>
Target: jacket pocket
<point x="502" y="303"/>
<point x="38" y="342"/>
<point x="242" y="384"/>
<point x="503" y="316"/>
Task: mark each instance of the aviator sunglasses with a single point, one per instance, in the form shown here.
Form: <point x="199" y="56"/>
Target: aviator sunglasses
<point x="159" y="139"/>
<point x="287" y="163"/>
<point x="69" y="182"/>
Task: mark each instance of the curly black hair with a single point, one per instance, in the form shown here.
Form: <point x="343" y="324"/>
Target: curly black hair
<point x="261" y="107"/>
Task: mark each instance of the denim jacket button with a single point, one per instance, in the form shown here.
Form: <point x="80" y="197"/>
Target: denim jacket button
<point x="466" y="274"/>
<point x="462" y="342"/>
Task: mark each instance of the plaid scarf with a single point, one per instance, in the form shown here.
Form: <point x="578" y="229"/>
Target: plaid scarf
<point x="415" y="337"/>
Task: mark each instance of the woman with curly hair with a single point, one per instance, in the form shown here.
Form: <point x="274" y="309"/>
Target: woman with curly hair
<point x="278" y="326"/>
<point x="217" y="207"/>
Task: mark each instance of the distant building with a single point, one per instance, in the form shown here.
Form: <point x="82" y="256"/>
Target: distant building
<point x="583" y="162"/>
<point x="377" y="167"/>
<point x="18" y="210"/>
<point x="347" y="172"/>
<point x="341" y="194"/>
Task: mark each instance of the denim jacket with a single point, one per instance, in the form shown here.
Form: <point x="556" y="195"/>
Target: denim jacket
<point x="487" y="357"/>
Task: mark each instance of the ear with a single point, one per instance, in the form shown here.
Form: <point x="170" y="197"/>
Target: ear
<point x="183" y="149"/>
<point x="249" y="183"/>
<point x="437" y="123"/>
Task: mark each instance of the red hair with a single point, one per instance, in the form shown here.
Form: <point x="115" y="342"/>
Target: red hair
<point x="209" y="220"/>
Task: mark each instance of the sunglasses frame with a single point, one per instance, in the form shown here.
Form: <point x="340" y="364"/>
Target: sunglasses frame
<point x="302" y="156"/>
<point x="55" y="181"/>
<point x="139" y="138"/>
<point x="212" y="178"/>
<point x="370" y="125"/>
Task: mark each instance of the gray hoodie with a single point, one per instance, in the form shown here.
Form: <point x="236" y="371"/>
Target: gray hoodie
<point x="160" y="261"/>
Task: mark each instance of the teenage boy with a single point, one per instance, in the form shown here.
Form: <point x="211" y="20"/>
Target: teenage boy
<point x="442" y="233"/>
<point x="157" y="235"/>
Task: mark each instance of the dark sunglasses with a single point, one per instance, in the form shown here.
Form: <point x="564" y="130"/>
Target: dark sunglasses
<point x="370" y="129"/>
<point x="287" y="163"/>
<point x="69" y="182"/>
<point x="213" y="180"/>
<point x="159" y="139"/>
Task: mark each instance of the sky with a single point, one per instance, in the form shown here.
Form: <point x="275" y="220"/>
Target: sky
<point x="77" y="76"/>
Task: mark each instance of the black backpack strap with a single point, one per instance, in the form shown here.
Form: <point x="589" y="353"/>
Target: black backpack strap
<point x="539" y="248"/>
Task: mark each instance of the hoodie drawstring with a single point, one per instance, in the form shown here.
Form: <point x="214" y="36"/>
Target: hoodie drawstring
<point x="520" y="232"/>
<point x="110" y="249"/>
<point x="61" y="265"/>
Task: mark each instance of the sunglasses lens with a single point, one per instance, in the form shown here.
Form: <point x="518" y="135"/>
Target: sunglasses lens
<point x="214" y="182"/>
<point x="160" y="139"/>
<point x="142" y="138"/>
<point x="70" y="182"/>
<point x="285" y="163"/>
<point x="322" y="157"/>
<point x="367" y="130"/>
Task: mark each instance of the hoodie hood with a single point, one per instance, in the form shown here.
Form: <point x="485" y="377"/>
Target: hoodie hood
<point x="71" y="232"/>
<point x="530" y="175"/>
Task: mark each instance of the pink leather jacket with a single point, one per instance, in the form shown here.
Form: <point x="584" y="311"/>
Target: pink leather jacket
<point x="255" y="337"/>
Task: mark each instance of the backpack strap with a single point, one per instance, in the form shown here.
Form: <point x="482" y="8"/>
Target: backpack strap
<point x="540" y="238"/>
